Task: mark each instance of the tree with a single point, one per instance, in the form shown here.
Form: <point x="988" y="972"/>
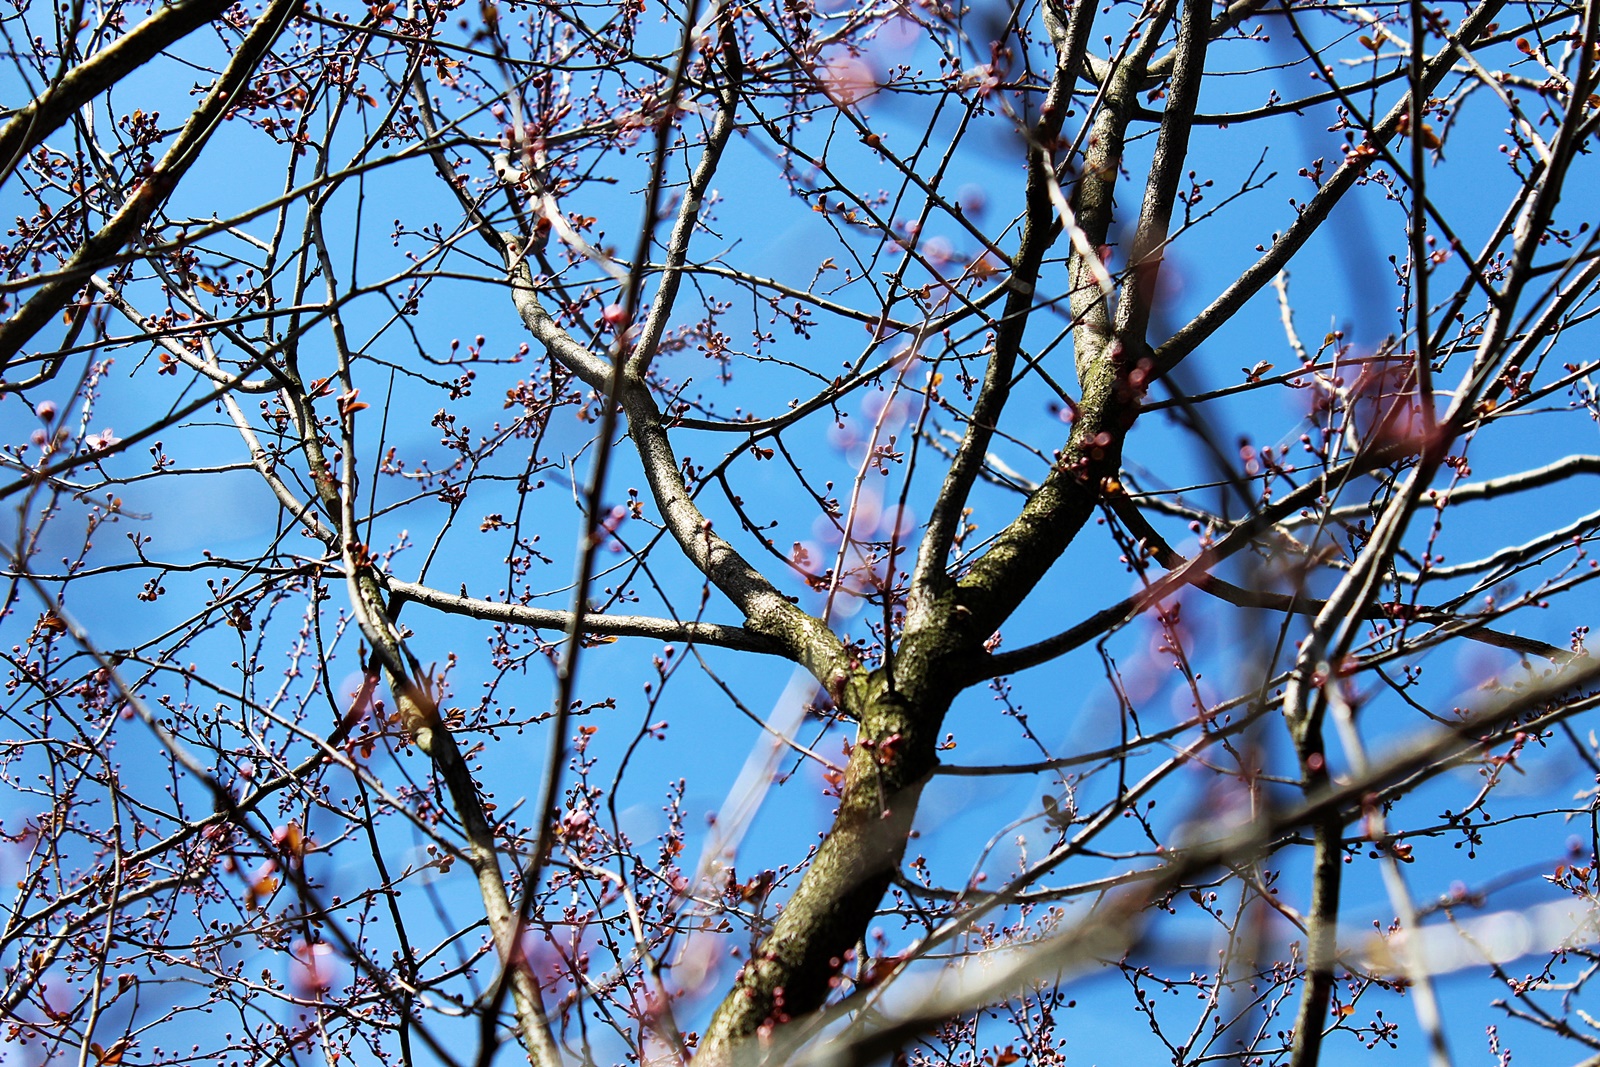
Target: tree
<point x="766" y="310"/>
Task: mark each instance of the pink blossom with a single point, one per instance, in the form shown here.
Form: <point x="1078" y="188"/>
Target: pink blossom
<point x="847" y="80"/>
<point x="99" y="442"/>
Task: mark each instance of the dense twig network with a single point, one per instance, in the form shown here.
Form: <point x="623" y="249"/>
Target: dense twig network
<point x="502" y="392"/>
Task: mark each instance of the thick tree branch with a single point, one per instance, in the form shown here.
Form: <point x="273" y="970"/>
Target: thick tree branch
<point x="722" y="127"/>
<point x="31" y="124"/>
<point x="1315" y="211"/>
<point x="899" y="707"/>
<point x="767" y="612"/>
<point x="1166" y="172"/>
<point x="1110" y="376"/>
<point x="153" y="190"/>
<point x="1039" y="230"/>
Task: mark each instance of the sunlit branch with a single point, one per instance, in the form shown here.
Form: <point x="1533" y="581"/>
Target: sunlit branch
<point x="700" y="633"/>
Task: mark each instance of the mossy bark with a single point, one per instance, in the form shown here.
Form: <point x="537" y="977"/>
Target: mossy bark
<point x="799" y="960"/>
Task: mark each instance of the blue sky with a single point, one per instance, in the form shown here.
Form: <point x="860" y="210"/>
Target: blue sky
<point x="1340" y="280"/>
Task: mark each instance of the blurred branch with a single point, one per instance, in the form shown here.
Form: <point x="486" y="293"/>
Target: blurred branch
<point x="1315" y="211"/>
<point x="1299" y="604"/>
<point x="1111" y="929"/>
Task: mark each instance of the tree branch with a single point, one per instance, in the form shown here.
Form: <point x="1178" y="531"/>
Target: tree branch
<point x="930" y="579"/>
<point x="698" y="633"/>
<point x="37" y="120"/>
<point x="153" y="190"/>
<point x="1315" y="211"/>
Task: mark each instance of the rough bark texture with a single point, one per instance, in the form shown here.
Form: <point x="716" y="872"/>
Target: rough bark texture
<point x="542" y="142"/>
